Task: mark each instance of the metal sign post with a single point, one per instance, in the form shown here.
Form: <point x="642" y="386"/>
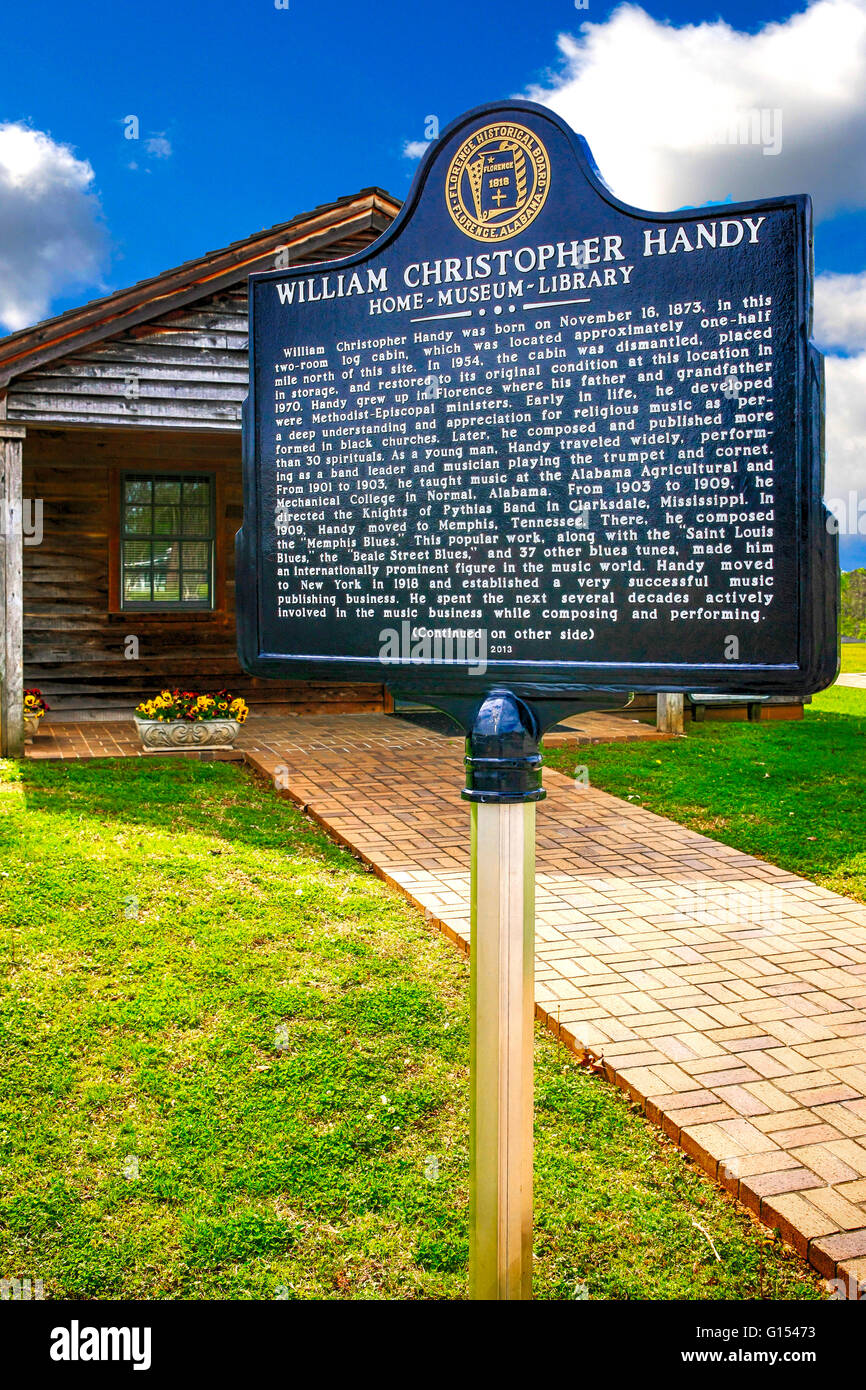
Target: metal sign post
<point x="503" y="783"/>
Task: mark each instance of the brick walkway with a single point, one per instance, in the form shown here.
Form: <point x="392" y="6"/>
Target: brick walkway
<point x="727" y="995"/>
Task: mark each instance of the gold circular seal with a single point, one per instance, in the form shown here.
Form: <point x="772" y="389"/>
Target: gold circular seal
<point x="497" y="181"/>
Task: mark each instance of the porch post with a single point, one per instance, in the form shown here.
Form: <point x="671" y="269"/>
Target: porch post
<point x="11" y="585"/>
<point x="669" y="713"/>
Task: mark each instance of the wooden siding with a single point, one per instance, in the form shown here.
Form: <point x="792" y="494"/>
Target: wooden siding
<point x="185" y="370"/>
<point x="160" y="393"/>
<point x="73" y="644"/>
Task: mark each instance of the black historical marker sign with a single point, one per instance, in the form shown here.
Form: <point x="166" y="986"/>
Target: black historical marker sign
<point x="536" y="437"/>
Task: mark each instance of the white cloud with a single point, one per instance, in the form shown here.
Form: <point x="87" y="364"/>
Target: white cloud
<point x="414" y="149"/>
<point x="51" y="236"/>
<point x="158" y="146"/>
<point x="651" y="99"/>
<point x="840" y="312"/>
<point x="846" y="426"/>
<point x="840" y="323"/>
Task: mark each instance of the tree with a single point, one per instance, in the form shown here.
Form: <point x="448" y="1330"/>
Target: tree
<point x="853" y="608"/>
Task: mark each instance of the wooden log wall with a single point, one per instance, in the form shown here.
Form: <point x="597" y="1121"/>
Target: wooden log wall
<point x="186" y="370"/>
<point x="73" y="645"/>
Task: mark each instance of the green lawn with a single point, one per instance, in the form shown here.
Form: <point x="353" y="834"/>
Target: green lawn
<point x="790" y="792"/>
<point x="234" y="1066"/>
<point x="853" y="657"/>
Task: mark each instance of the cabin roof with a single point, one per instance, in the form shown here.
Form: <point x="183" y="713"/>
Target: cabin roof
<point x="307" y="236"/>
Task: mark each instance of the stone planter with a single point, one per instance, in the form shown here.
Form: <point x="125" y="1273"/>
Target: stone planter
<point x="31" y="727"/>
<point x="186" y="735"/>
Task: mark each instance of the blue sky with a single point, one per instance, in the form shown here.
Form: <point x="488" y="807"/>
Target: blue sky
<point x="248" y="114"/>
<point x="269" y="112"/>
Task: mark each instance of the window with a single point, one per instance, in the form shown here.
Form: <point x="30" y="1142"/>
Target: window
<point x="167" y="540"/>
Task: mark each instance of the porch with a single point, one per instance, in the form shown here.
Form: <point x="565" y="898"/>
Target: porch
<point x="295" y="736"/>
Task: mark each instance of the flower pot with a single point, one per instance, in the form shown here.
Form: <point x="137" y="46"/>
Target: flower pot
<point x="31" y="727"/>
<point x="183" y="735"/>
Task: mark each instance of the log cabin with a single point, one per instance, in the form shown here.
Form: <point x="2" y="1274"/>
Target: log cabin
<point x="120" y="450"/>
